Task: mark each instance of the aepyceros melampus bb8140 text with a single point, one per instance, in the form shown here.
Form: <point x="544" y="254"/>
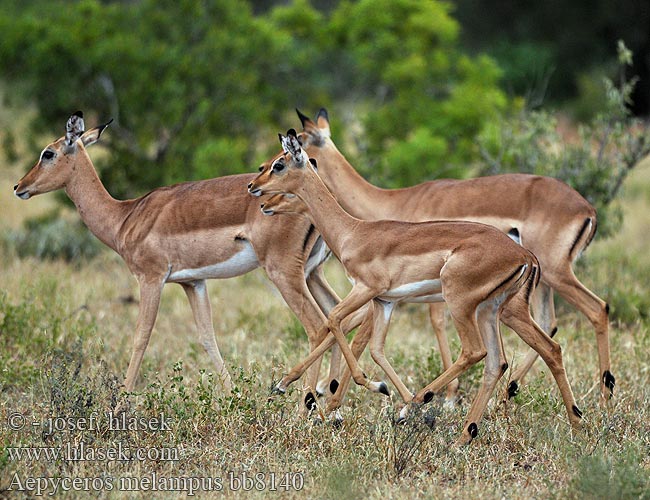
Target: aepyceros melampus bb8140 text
<point x="482" y="274"/>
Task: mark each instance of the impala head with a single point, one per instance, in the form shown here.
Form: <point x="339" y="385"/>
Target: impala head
<point x="283" y="174"/>
<point x="58" y="160"/>
<point x="284" y="203"/>
<point x="315" y="132"/>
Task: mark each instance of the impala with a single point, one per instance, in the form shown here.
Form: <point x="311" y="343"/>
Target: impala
<point x="185" y="234"/>
<point x="543" y="214"/>
<point x="479" y="271"/>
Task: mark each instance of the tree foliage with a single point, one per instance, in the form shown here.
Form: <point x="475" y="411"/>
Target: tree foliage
<point x="199" y="89"/>
<point x="595" y="163"/>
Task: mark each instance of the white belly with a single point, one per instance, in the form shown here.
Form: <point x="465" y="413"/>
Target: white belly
<point x="240" y="263"/>
<point x="418" y="291"/>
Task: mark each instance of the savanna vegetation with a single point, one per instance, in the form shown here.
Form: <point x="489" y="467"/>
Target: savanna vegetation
<point x="200" y="89"/>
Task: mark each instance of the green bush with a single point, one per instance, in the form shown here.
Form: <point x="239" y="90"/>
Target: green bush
<point x="51" y="237"/>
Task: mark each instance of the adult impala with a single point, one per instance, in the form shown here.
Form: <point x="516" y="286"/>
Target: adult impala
<point x="478" y="270"/>
<point x="545" y="215"/>
<point x="185" y="234"/>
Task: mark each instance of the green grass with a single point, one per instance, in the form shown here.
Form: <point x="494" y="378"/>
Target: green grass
<point x="65" y="341"/>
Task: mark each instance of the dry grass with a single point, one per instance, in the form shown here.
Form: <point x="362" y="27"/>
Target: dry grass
<point x="73" y="325"/>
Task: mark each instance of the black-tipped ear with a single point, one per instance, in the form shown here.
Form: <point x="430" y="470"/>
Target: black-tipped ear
<point x="79" y="114"/>
<point x="313" y="163"/>
<point x="322" y="113"/>
<point x="292" y="132"/>
<point x="102" y="127"/>
<point x="303" y="119"/>
<point x="280" y="136"/>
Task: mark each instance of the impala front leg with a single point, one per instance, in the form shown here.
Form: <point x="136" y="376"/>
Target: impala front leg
<point x="149" y="302"/>
<point x="357" y="298"/>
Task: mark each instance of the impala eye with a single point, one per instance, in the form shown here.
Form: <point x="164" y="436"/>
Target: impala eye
<point x="261" y="169"/>
<point x="47" y="155"/>
<point x="278" y="167"/>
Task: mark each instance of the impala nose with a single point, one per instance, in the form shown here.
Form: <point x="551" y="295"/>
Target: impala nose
<point x="254" y="191"/>
<point x="15" y="187"/>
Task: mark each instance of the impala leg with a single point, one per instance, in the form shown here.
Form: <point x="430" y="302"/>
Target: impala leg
<point x="297" y="371"/>
<point x="359" y="343"/>
<point x="357" y="298"/>
<point x="291" y="284"/>
<point x="382" y="314"/>
<point x="495" y="367"/>
<point x="472" y="349"/>
<point x="437" y="316"/>
<point x="197" y="295"/>
<point x="149" y="304"/>
<point x="597" y="311"/>
<point x="544" y="312"/>
<point x="516" y="315"/>
<point x="326" y="298"/>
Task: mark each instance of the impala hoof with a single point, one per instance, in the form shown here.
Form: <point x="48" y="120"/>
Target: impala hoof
<point x="310" y="401"/>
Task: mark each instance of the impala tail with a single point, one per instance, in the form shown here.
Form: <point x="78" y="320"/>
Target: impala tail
<point x="583" y="238"/>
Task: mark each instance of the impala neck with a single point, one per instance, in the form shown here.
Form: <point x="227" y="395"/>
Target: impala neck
<point x="333" y="223"/>
<point x="100" y="212"/>
<point x="356" y="195"/>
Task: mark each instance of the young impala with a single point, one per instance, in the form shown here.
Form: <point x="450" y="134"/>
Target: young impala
<point x="543" y="214"/>
<point x="480" y="272"/>
<point x="185" y="234"/>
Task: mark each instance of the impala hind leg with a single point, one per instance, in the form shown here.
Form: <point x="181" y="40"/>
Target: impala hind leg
<point x="544" y="314"/>
<point x="597" y="311"/>
<point x="437" y="317"/>
<point x="463" y="313"/>
<point x="495" y="366"/>
<point x="149" y="303"/>
<point x="197" y="295"/>
<point x="516" y="315"/>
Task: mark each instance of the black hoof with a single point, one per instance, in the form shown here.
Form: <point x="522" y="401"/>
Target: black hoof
<point x="310" y="401"/>
<point x="473" y="430"/>
<point x="609" y="381"/>
<point x="427" y="397"/>
<point x="383" y="389"/>
<point x="334" y="385"/>
<point x="513" y="389"/>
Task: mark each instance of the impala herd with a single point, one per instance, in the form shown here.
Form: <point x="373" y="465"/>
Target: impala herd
<point x="489" y="248"/>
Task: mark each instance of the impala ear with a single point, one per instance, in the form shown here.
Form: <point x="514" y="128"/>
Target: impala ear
<point x="303" y="119"/>
<point x="92" y="136"/>
<point x="323" y="122"/>
<point x="291" y="145"/>
<point x="74" y="128"/>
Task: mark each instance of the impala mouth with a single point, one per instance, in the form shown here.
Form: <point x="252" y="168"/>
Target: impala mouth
<point x="23" y="196"/>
